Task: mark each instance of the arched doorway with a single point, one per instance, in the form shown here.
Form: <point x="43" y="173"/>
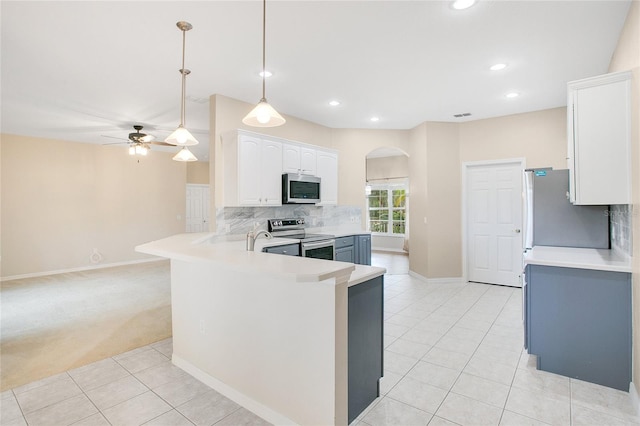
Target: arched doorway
<point x="387" y="207"/>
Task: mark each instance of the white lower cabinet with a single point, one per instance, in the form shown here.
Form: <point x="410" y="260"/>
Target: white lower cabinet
<point x="253" y="171"/>
<point x="598" y="131"/>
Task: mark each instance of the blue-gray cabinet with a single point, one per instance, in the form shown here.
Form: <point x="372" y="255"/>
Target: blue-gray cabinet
<point x="365" y="305"/>
<point x="345" y="249"/>
<point x="363" y="250"/>
<point x="287" y="249"/>
<point x="578" y="323"/>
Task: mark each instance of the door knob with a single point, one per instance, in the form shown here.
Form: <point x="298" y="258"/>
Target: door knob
<point x="517" y="231"/>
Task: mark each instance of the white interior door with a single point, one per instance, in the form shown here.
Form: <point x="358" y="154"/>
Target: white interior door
<point x="494" y="223"/>
<point x="197" y="213"/>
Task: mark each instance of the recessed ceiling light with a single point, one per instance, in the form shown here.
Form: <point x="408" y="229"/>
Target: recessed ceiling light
<point x="512" y="95"/>
<point x="463" y="4"/>
<point x="334" y="103"/>
<point x="498" y="67"/>
<point x="266" y="73"/>
<point x="374" y="119"/>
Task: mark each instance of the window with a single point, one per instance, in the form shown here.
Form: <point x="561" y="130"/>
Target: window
<point x="387" y="209"/>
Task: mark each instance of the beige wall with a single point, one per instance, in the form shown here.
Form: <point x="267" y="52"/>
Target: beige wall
<point x="198" y="172"/>
<point x="444" y="238"/>
<point x="436" y="156"/>
<point x="434" y="201"/>
<point x="540" y="137"/>
<point x="627" y="57"/>
<point x="60" y="200"/>
<point x="353" y="145"/>
<point x="418" y="236"/>
<point x="387" y="167"/>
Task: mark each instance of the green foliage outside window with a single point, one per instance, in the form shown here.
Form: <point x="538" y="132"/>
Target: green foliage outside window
<point x="387" y="210"/>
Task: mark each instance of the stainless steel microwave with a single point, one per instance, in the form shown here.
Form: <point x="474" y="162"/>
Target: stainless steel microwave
<point x="300" y="189"/>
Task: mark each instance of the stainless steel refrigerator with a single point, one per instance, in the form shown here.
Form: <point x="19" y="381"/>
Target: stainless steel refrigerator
<point x="551" y="220"/>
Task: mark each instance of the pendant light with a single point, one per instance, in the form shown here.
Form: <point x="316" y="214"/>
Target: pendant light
<point x="185" y="155"/>
<point x="263" y="115"/>
<point x="181" y="136"/>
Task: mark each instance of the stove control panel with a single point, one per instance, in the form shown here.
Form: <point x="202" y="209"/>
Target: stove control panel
<point x="285" y="224"/>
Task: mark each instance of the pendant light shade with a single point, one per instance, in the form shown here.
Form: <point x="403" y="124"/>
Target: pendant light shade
<point x="184" y="155"/>
<point x="263" y="115"/>
<point x="181" y="136"/>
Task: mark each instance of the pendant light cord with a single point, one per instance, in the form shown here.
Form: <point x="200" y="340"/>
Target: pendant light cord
<point x="184" y="79"/>
<point x="264" y="35"/>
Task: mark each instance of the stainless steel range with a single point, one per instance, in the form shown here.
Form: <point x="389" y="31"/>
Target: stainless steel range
<point x="318" y="246"/>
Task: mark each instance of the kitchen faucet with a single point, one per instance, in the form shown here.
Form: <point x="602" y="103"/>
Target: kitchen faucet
<point x="252" y="236"/>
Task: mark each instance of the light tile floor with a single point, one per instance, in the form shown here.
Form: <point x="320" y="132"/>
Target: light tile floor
<point x="453" y="355"/>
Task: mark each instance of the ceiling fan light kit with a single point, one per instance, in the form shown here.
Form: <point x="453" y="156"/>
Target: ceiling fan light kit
<point x="181" y="136"/>
<point x="263" y="115"/>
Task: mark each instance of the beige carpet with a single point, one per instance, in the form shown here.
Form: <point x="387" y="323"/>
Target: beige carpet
<point x="54" y="323"/>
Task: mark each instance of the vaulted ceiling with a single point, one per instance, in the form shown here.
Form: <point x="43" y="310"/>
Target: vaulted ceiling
<point x="81" y="71"/>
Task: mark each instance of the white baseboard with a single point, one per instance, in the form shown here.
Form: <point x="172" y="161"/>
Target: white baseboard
<point x="249" y="403"/>
<point x="635" y="400"/>
<point x="388" y="250"/>
<point x="449" y="280"/>
<point x="82" y="268"/>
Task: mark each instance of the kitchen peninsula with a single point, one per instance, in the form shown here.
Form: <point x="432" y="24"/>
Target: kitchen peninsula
<point x="271" y="331"/>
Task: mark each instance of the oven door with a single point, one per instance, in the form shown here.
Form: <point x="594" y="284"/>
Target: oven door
<point x="319" y="249"/>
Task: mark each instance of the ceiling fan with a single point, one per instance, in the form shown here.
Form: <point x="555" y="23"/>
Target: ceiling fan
<point x="138" y="142"/>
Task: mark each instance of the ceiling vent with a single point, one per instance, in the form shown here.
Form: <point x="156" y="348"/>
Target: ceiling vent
<point x="464" y="114"/>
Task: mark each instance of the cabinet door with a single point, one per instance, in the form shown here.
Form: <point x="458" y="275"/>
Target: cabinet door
<point x="308" y="161"/>
<point x="249" y="170"/>
<point x="579" y="323"/>
<point x="365" y="326"/>
<point x="290" y="158"/>
<point x="327" y="170"/>
<point x="288" y="249"/>
<point x="599" y="111"/>
<point x="345" y="254"/>
<point x="270" y="178"/>
<point x="363" y="251"/>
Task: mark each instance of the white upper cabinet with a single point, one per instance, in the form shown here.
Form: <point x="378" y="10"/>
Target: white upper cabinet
<point x="327" y="171"/>
<point x="298" y="159"/>
<point x="254" y="164"/>
<point x="598" y="130"/>
<point x="252" y="171"/>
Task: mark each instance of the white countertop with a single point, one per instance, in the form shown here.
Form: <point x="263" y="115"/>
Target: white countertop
<point x="209" y="247"/>
<point x="581" y="258"/>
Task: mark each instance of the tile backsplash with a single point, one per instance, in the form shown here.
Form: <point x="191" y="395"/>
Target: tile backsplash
<point x="620" y="223"/>
<point x="240" y="220"/>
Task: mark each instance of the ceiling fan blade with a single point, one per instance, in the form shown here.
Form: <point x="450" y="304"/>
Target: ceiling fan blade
<point x="115" y="137"/>
<point x="115" y="143"/>
<point x="161" y="143"/>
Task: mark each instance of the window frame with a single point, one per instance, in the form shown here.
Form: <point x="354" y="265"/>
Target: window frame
<point x="389" y="187"/>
